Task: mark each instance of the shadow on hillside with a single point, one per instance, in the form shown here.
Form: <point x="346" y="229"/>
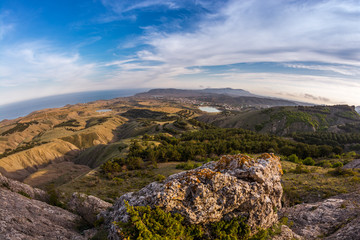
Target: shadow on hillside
<point x="22" y="174"/>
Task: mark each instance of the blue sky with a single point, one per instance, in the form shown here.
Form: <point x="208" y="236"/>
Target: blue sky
<point x="303" y="50"/>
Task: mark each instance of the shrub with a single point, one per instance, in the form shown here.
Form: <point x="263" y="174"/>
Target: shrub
<point x="118" y="180"/>
<point x="154" y="223"/>
<point x="337" y="164"/>
<point x="294" y="158"/>
<point x="233" y="229"/>
<point x="160" y="178"/>
<point x="300" y="168"/>
<point x="24" y="194"/>
<point x="188" y="165"/>
<point x="147" y="223"/>
<point x="309" y="161"/>
<point x="54" y="197"/>
<point x="325" y="164"/>
<point x="135" y="163"/>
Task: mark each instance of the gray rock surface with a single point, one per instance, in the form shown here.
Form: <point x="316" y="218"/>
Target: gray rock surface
<point x="353" y="164"/>
<point x="233" y="186"/>
<point x="286" y="234"/>
<point x="23" y="218"/>
<point x="87" y="206"/>
<point x="22" y="188"/>
<point x="335" y="218"/>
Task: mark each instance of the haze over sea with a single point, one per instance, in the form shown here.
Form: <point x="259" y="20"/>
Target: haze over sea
<point x="23" y="108"/>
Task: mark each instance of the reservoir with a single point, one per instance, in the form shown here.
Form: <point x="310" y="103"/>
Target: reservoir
<point x="103" y="110"/>
<point x="209" y="109"/>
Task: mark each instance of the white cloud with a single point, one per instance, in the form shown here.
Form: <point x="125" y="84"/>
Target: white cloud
<point x="253" y="31"/>
<point x="342" y="69"/>
<point x="39" y="66"/>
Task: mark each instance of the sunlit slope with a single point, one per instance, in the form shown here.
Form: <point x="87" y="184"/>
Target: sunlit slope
<point x="286" y="120"/>
<point x="20" y="165"/>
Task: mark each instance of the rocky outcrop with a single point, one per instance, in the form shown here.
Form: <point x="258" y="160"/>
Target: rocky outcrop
<point x="87" y="207"/>
<point x="24" y="218"/>
<point x="335" y="218"/>
<point x="233" y="186"/>
<point x="23" y="189"/>
<point x="353" y="164"/>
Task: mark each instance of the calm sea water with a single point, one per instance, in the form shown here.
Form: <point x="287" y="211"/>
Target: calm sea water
<point x="20" y="109"/>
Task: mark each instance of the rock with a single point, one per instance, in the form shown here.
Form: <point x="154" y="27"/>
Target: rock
<point x="353" y="164"/>
<point x="24" y="218"/>
<point x="23" y="189"/>
<point x="286" y="234"/>
<point x="335" y="218"/>
<point x="87" y="206"/>
<point x="233" y="186"/>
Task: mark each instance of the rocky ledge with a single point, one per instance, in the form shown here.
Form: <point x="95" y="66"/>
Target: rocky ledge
<point x="231" y="187"/>
<point x="23" y="189"/>
<point x="24" y="218"/>
<point x="335" y="218"/>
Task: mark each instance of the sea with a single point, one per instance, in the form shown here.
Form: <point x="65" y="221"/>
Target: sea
<point x="23" y="108"/>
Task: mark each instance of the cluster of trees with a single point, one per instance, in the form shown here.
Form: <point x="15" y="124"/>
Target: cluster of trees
<point x="69" y="123"/>
<point x="19" y="127"/>
<point x="328" y="138"/>
<point x="207" y="143"/>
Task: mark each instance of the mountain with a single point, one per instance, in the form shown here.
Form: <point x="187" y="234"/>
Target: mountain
<point x="230" y="92"/>
<point x="226" y="97"/>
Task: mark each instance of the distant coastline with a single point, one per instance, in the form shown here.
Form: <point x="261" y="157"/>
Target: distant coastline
<point x="23" y="108"/>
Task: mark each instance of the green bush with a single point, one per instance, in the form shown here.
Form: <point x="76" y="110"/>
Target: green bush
<point x="300" y="168"/>
<point x="309" y="161"/>
<point x="148" y="223"/>
<point x="154" y="223"/>
<point x="188" y="165"/>
<point x="294" y="158"/>
<point x="337" y="164"/>
<point x="233" y="229"/>
<point x="325" y="164"/>
<point x="160" y="178"/>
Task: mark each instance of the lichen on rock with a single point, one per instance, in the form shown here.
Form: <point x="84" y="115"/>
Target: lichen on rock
<point x="234" y="186"/>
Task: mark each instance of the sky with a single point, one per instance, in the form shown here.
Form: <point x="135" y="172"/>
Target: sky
<point x="306" y="50"/>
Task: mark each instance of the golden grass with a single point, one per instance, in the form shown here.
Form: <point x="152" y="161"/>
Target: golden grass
<point x="56" y="173"/>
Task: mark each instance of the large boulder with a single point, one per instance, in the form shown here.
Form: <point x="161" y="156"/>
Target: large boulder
<point x="233" y="186"/>
<point x="335" y="218"/>
<point x="87" y="206"/>
<point x="24" y="218"/>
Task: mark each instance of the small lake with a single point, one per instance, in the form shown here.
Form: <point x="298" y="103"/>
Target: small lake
<point x="209" y="109"/>
<point x="103" y="110"/>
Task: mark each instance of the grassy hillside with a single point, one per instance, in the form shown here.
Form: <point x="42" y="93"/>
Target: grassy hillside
<point x="286" y="120"/>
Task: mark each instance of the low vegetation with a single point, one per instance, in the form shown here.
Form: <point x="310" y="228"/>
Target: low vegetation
<point x="303" y="183"/>
<point x="19" y="127"/>
<point x="154" y="223"/>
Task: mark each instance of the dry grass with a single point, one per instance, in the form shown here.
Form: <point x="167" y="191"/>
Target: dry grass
<point x="109" y="189"/>
<point x="315" y="185"/>
<point x="57" y="174"/>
